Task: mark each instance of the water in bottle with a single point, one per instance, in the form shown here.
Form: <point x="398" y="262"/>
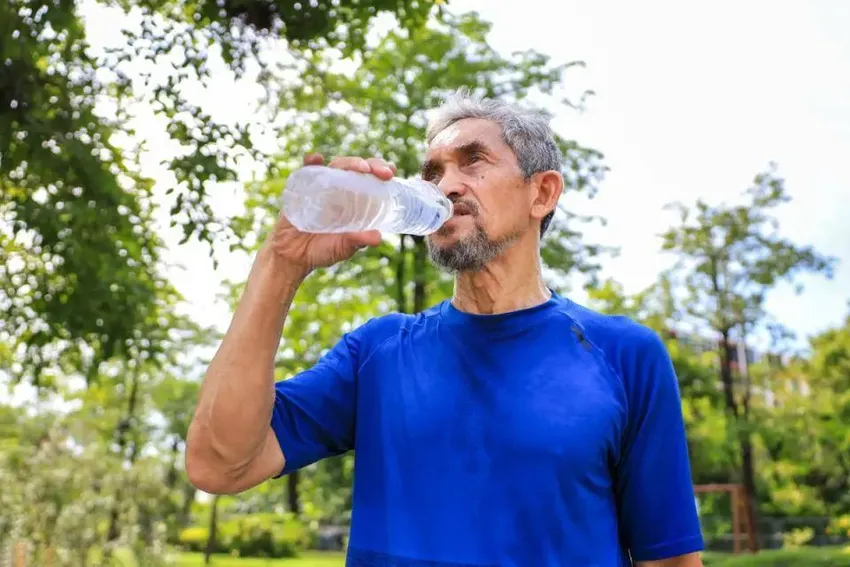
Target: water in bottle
<point x="324" y="199"/>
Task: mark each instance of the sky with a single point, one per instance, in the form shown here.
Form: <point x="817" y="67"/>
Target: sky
<point x="692" y="100"/>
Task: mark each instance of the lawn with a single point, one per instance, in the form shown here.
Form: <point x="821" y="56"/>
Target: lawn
<point x="806" y="557"/>
<point x="305" y="560"/>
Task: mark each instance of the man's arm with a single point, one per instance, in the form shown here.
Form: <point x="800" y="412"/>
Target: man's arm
<point x="230" y="445"/>
<point x="689" y="560"/>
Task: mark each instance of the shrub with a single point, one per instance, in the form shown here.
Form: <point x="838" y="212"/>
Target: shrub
<point x="839" y="526"/>
<point x="194" y="538"/>
<point x="254" y="535"/>
<point x="797" y="538"/>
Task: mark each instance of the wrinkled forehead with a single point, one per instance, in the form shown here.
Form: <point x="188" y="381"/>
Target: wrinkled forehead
<point x="463" y="133"/>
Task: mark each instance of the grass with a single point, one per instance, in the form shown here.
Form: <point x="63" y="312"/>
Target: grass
<point x="803" y="557"/>
<point x="307" y="559"/>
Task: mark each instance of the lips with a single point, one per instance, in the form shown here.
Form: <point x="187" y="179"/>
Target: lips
<point x="462" y="210"/>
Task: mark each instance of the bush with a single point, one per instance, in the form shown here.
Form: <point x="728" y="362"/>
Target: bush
<point x="803" y="557"/>
<point x="254" y="535"/>
<point x="194" y="538"/>
<point x="839" y="526"/>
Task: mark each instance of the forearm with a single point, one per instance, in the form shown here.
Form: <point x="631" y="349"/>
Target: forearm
<point x="231" y="422"/>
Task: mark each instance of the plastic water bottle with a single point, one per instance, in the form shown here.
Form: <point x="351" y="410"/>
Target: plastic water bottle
<point x="324" y="199"/>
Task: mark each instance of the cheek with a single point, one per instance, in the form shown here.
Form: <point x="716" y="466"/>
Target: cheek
<point x="504" y="207"/>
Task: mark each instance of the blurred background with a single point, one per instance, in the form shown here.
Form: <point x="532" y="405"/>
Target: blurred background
<point x="144" y="145"/>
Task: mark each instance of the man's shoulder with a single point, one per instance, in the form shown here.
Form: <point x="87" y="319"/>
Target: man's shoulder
<point x="612" y="332"/>
<point x="633" y="351"/>
<point x="381" y="329"/>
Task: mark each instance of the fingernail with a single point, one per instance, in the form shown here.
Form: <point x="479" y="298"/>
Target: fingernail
<point x="364" y="166"/>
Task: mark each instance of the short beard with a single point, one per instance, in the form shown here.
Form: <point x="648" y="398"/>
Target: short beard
<point x="470" y="254"/>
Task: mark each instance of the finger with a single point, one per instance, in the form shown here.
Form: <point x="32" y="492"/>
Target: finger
<point x="380" y="168"/>
<point x="363" y="239"/>
<point x="314" y="159"/>
<point x="351" y="164"/>
<point x="393" y="167"/>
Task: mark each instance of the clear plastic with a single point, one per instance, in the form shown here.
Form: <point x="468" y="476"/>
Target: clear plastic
<point x="323" y="199"/>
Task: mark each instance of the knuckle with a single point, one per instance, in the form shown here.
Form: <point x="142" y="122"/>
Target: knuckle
<point x="377" y="162"/>
<point x="347" y="162"/>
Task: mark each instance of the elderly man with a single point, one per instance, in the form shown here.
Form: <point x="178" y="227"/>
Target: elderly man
<point x="507" y="426"/>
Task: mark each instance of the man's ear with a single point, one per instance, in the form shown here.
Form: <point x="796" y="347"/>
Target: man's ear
<point x="549" y="185"/>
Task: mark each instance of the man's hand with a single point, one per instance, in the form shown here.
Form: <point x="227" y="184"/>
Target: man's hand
<point x="308" y="250"/>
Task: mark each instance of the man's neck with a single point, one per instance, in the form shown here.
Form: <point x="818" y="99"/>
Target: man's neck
<point x="510" y="282"/>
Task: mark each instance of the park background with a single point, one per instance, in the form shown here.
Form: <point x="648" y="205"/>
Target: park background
<point x="144" y="145"/>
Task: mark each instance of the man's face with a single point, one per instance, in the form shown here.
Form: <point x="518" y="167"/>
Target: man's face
<point x="479" y="173"/>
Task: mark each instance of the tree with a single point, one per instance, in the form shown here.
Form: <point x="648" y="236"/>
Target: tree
<point x="78" y="254"/>
<point x="173" y="399"/>
<point x="822" y="388"/>
<point x="60" y="479"/>
<point x="79" y="259"/>
<point x="730" y="257"/>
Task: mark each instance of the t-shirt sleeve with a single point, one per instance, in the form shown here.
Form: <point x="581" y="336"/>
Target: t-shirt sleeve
<point x="657" y="508"/>
<point x="314" y="411"/>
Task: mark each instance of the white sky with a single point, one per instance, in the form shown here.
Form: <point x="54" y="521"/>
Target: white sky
<point x="692" y="101"/>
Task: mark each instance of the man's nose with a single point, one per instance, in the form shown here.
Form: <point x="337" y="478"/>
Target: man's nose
<point x="451" y="185"/>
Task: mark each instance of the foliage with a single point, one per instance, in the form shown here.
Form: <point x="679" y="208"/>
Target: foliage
<point x="840" y="525"/>
<point x="59" y="496"/>
<point x="252" y="535"/>
<point x="732" y="255"/>
<point x="192" y="40"/>
<point x="82" y="479"/>
<point x="805" y="428"/>
<point x="729" y="258"/>
<point x="78" y="251"/>
<point x="797" y="537"/>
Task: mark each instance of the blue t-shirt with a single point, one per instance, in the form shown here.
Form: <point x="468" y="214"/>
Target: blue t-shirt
<point x="549" y="436"/>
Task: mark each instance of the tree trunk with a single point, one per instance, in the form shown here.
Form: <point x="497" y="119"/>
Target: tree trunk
<point x="122" y="433"/>
<point x="189" y="492"/>
<point x="420" y="254"/>
<point x="726" y="375"/>
<point x="748" y="474"/>
<point x="292" y="493"/>
<point x="749" y="481"/>
<point x="210" y="547"/>
<point x="171" y="475"/>
<point x="743" y="435"/>
<point x="400" y="273"/>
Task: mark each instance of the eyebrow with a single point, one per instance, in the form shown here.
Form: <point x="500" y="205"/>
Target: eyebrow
<point x="431" y="167"/>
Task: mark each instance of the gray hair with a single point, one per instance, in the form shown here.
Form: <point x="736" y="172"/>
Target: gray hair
<point x="526" y="132"/>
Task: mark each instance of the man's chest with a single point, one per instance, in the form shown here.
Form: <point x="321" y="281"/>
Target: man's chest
<point x="555" y="406"/>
